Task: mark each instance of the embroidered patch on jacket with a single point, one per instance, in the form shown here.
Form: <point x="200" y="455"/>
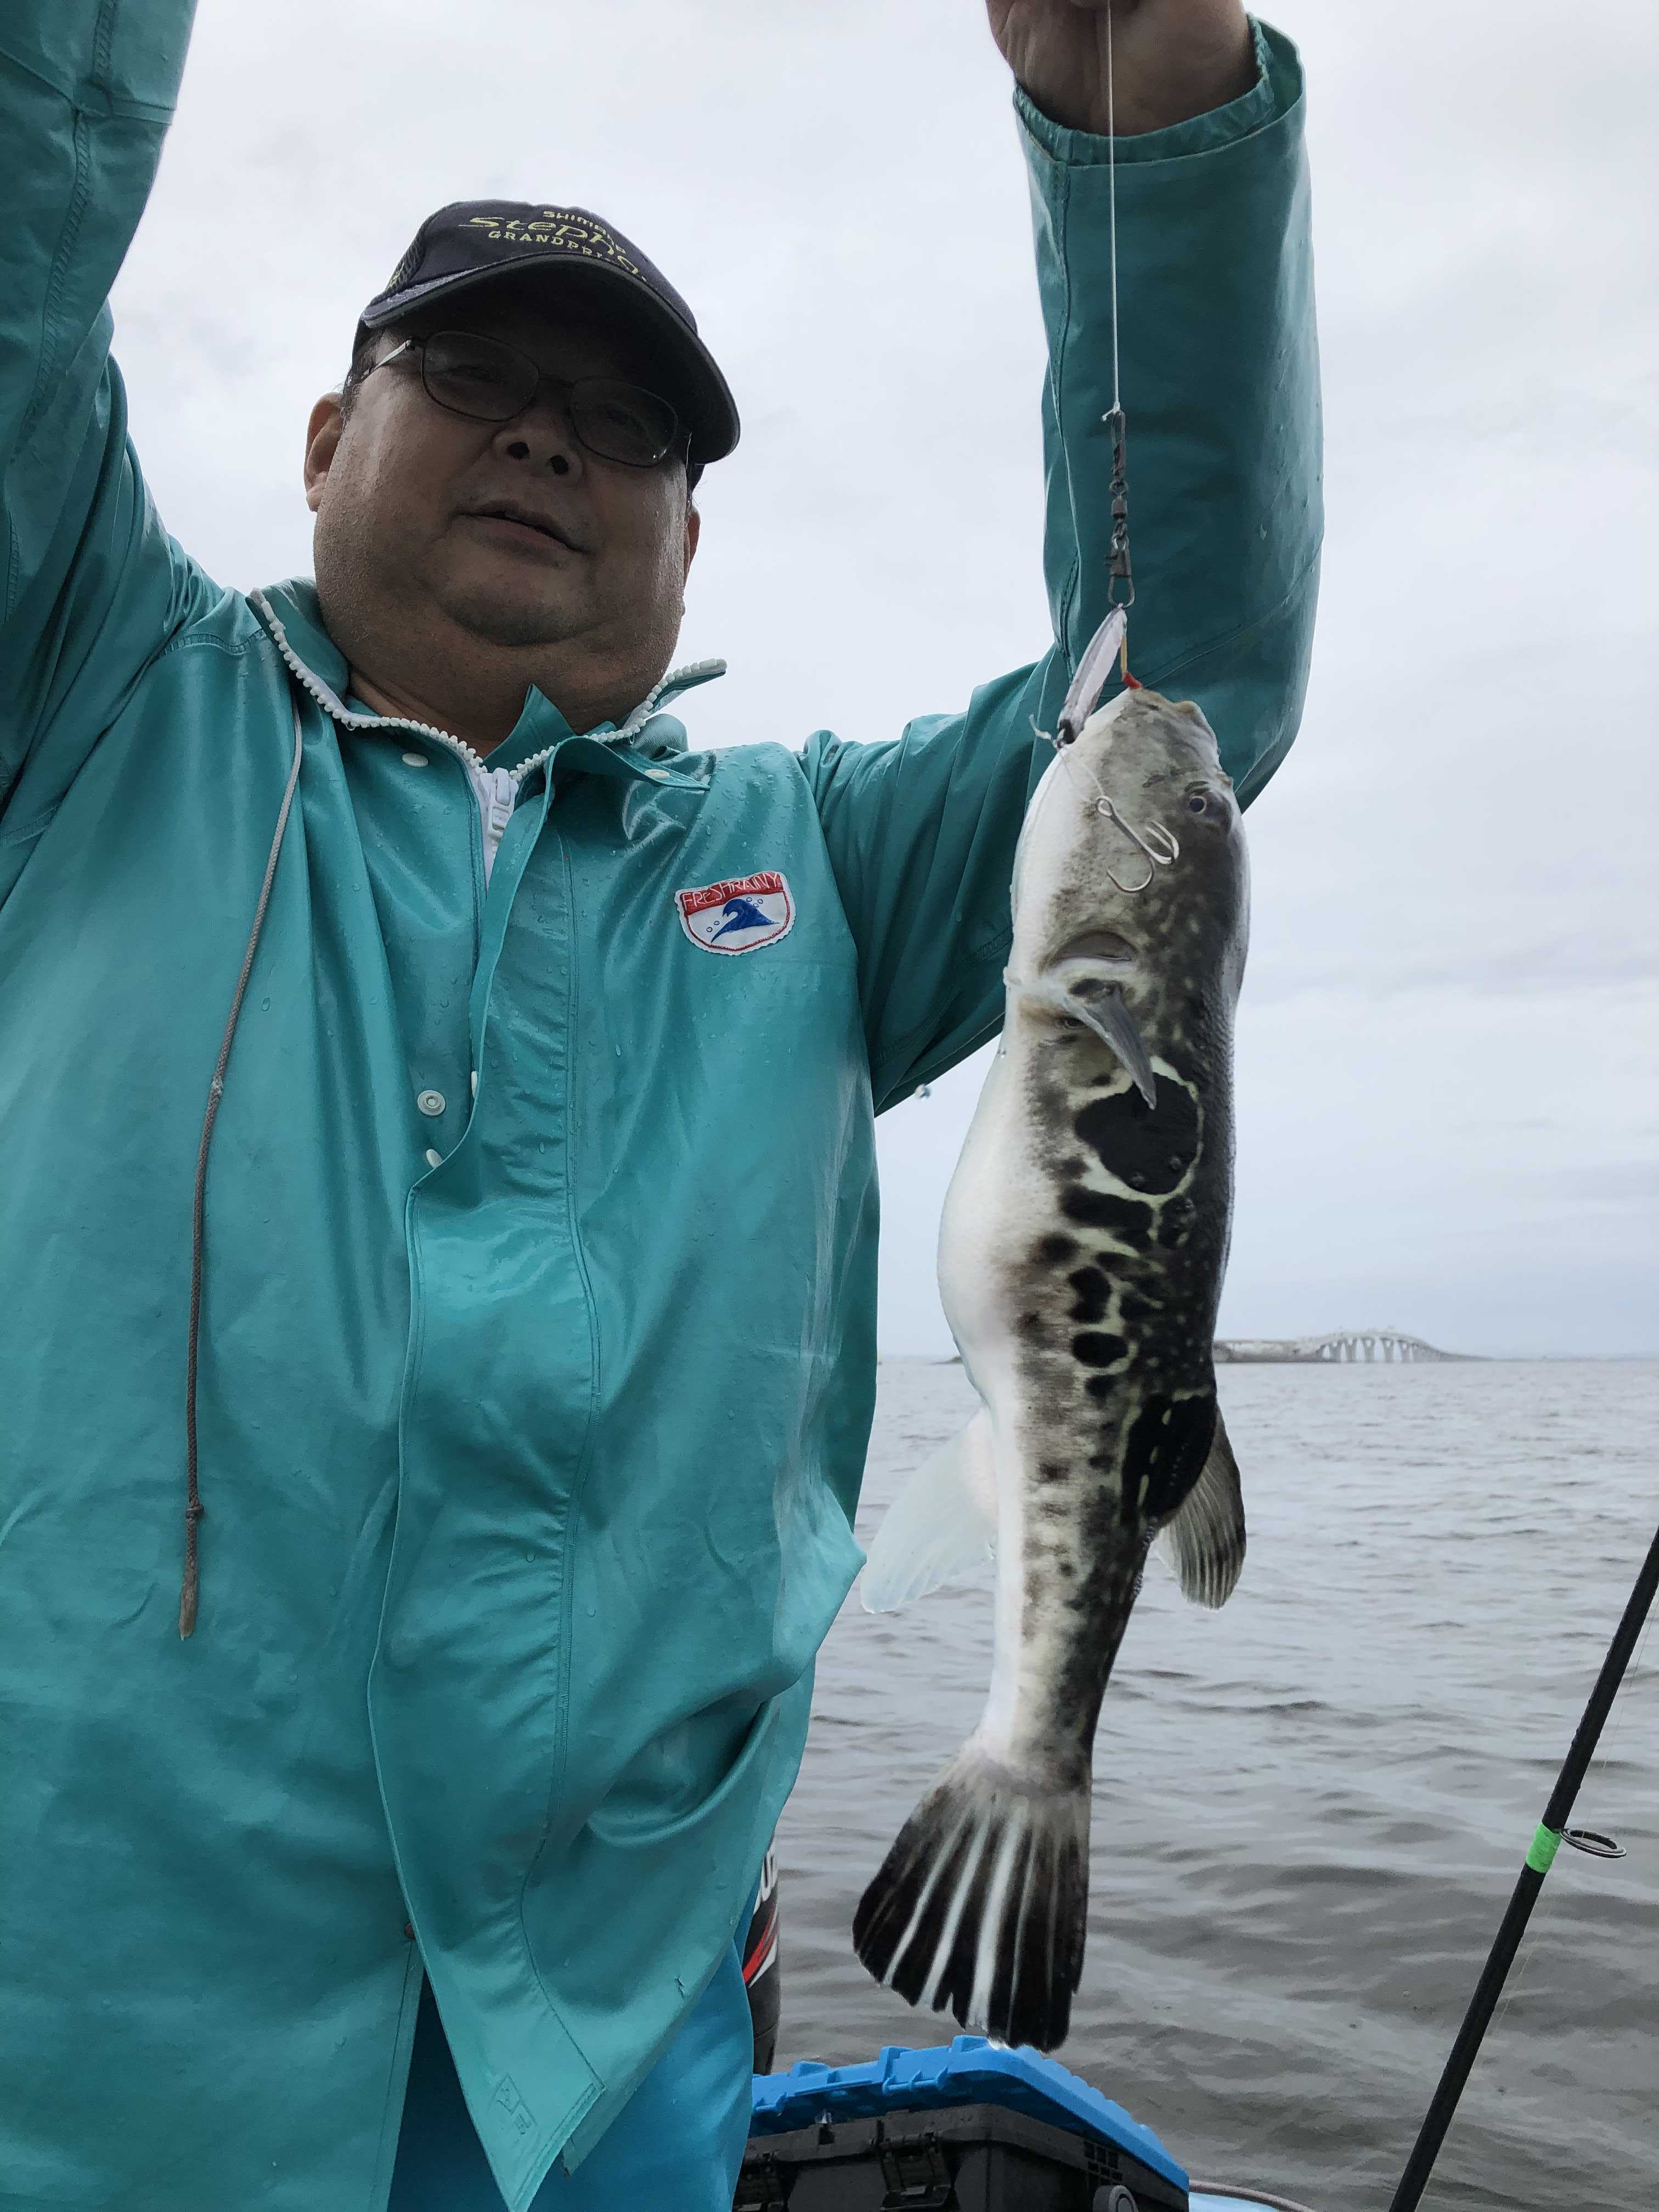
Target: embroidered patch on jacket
<point x="738" y="915"/>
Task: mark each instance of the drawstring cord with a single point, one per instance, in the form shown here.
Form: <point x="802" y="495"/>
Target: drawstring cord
<point x="193" y="1506"/>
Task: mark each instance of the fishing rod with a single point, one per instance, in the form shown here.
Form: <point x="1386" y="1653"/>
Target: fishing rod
<point x="1552" y="1831"/>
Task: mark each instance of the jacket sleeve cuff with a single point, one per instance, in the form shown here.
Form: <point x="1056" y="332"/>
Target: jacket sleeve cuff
<point x="1277" y="88"/>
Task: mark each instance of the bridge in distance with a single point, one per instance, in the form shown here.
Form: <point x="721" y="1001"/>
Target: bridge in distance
<point x="1339" y="1347"/>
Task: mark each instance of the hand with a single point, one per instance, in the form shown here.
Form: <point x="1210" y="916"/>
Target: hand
<point x="1170" y="58"/>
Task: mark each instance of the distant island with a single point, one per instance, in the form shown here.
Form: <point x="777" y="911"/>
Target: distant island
<point x="1341" y="1346"/>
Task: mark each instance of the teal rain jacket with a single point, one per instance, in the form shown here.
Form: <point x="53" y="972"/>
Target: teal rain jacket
<point x="536" y="1367"/>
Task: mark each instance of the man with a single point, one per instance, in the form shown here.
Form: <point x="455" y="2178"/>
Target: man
<point x="439" y="1212"/>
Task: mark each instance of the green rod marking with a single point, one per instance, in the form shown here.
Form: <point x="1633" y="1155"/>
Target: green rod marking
<point x="1541" y="1853"/>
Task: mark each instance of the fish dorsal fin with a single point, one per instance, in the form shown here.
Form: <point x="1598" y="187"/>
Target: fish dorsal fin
<point x="1205" y="1540"/>
<point x="942" y="1524"/>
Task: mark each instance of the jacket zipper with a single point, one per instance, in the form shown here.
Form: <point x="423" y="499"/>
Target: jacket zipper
<point x="498" y="792"/>
<point x="458" y="746"/>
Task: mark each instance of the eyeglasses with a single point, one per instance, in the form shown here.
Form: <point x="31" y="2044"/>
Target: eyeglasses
<point x="490" y="382"/>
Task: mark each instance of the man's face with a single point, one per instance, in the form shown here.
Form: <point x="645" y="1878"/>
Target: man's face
<point x="400" y="486"/>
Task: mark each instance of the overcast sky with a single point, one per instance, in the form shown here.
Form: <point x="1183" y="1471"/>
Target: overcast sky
<point x="1449" y="1055"/>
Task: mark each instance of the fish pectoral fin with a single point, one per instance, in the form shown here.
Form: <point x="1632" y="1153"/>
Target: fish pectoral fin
<point x="1204" y="1539"/>
<point x="943" y="1524"/>
<point x="1103" y="1011"/>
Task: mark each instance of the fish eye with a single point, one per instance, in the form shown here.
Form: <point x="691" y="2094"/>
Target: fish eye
<point x="1198" y="802"/>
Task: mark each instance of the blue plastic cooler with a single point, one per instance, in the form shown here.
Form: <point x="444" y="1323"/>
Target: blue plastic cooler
<point x="973" y="2123"/>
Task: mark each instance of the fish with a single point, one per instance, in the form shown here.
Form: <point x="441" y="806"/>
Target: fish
<point x="1082" y="1249"/>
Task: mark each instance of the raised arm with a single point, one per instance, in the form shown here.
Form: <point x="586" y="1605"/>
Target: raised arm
<point x="1219" y="377"/>
<point x="92" y="587"/>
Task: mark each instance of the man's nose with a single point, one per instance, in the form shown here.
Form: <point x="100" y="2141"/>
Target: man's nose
<point x="542" y="437"/>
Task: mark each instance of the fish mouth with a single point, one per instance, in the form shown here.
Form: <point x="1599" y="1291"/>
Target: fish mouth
<point x="1104" y="946"/>
<point x="526" y="518"/>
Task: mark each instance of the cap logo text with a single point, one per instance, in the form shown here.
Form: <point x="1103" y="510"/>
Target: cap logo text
<point x="573" y="233"/>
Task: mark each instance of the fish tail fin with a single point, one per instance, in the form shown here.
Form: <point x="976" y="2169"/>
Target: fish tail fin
<point x="981" y="1904"/>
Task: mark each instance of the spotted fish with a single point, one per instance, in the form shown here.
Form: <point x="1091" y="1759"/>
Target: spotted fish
<point x="1081" y="1255"/>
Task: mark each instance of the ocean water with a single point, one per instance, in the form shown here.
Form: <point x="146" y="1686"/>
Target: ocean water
<point x="1309" y="1807"/>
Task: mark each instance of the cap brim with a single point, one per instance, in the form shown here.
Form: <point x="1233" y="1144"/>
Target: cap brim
<point x="701" y="396"/>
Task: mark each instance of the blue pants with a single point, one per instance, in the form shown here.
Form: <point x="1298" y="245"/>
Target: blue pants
<point x="676" y="2145"/>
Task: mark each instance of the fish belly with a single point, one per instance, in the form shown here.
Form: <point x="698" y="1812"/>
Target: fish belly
<point x="993" y="1196"/>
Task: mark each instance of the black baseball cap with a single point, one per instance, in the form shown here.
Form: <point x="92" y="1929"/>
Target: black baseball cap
<point x="474" y="242"/>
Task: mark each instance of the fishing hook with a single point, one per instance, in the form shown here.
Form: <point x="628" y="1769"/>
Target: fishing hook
<point x="1163" y="853"/>
<point x="1160" y="846"/>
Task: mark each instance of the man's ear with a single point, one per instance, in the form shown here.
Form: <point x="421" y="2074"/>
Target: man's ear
<point x="322" y="443"/>
<point x="693" y="531"/>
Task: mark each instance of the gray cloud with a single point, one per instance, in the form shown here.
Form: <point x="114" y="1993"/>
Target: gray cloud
<point x="1448" y="1042"/>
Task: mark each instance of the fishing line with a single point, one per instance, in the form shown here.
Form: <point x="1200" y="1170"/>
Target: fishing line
<point x="1517" y="1981"/>
<point x="1111" y="191"/>
<point x="1111" y="640"/>
<point x="1604" y="1750"/>
<point x="1117" y="565"/>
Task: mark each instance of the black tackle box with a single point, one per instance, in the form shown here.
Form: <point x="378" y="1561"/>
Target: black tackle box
<point x="971" y="2127"/>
